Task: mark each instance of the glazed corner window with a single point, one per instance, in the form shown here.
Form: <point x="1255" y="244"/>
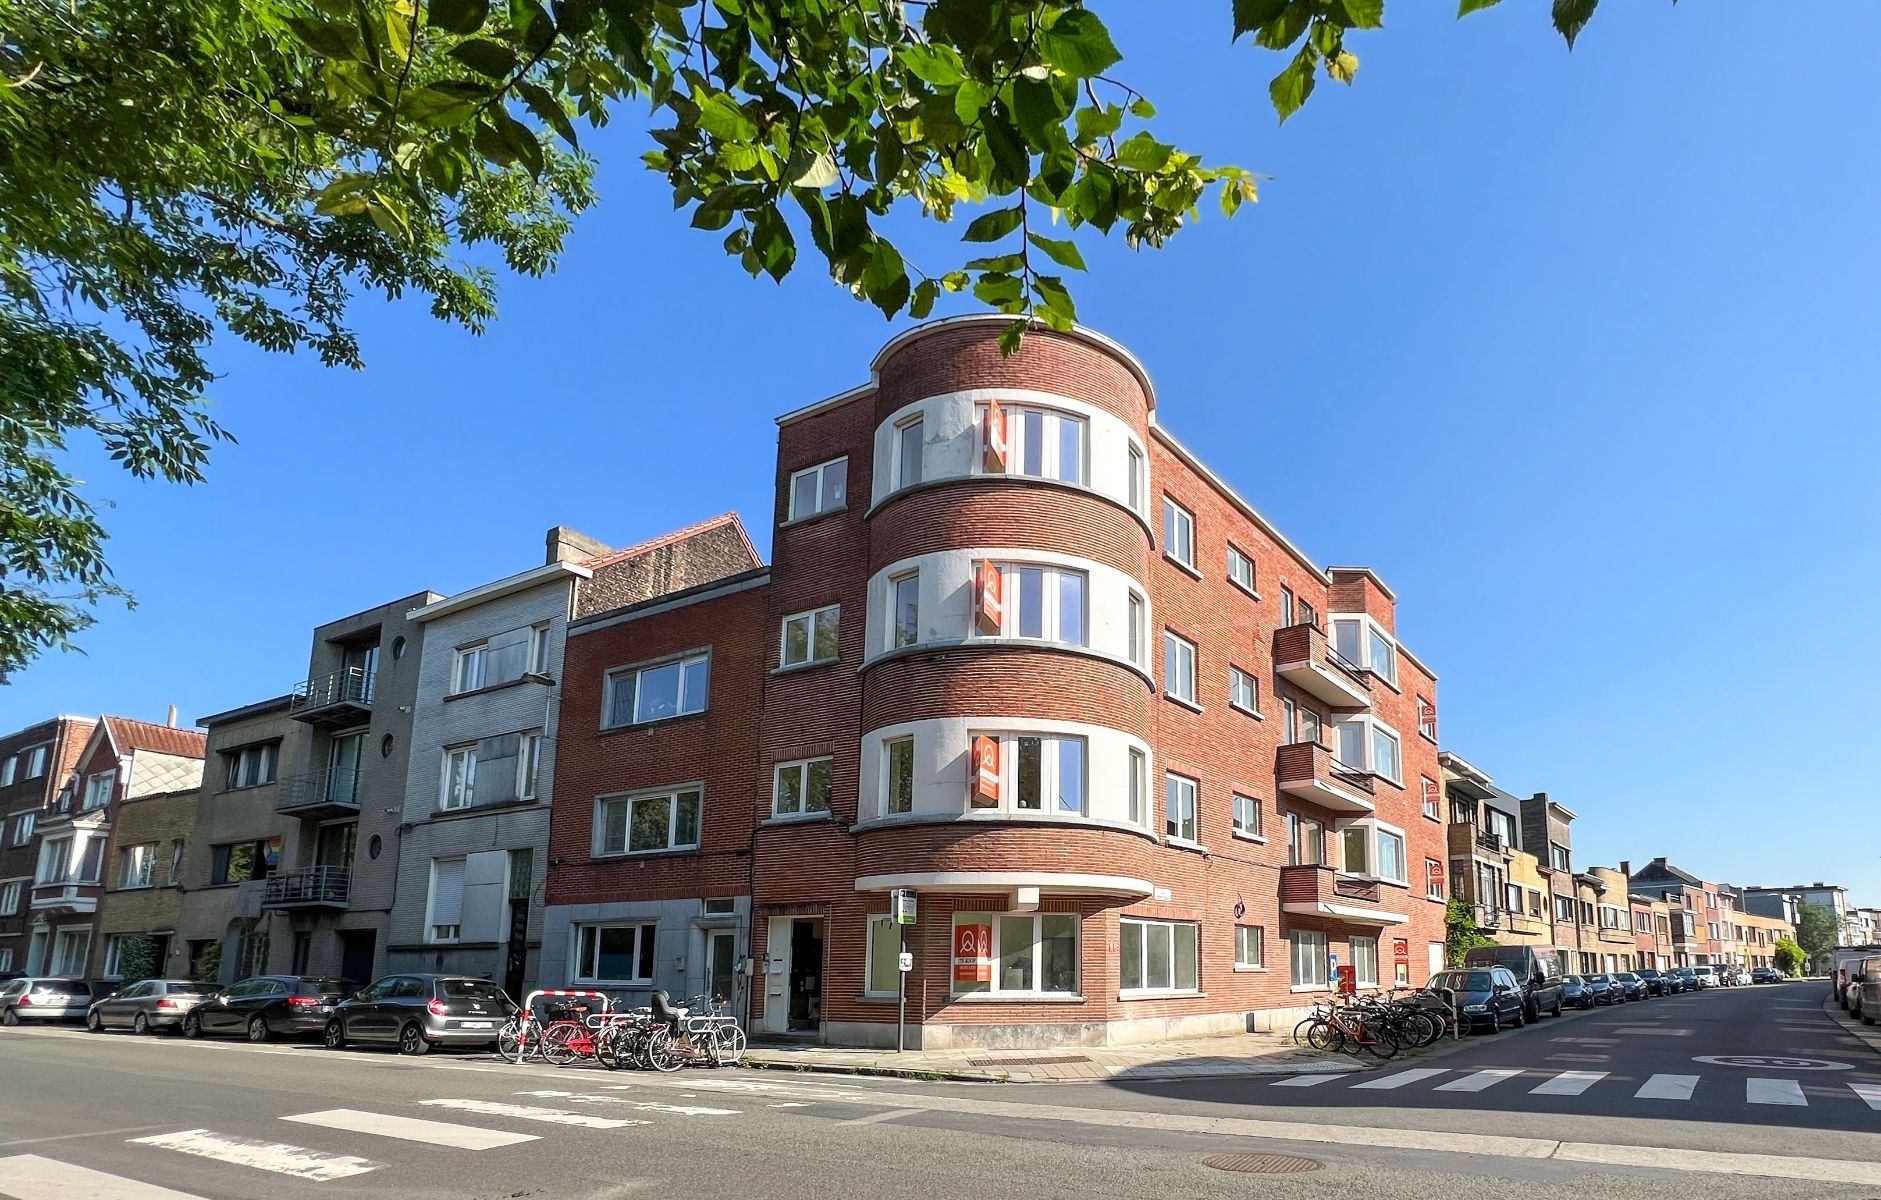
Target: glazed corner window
<point x="819" y="489"/>
<point x="1138" y="631"/>
<point x="908" y="437"/>
<point x="1240" y="569"/>
<point x="1244" y="691"/>
<point x="1040" y="602"/>
<point x="98" y="790"/>
<point x="1136" y="480"/>
<point x="1179" y="807"/>
<point x="1036" y="774"/>
<point x="614" y="954"/>
<point x="460" y="777"/>
<point x="1250" y="947"/>
<point x="1309" y="959"/>
<point x="1362" y="643"/>
<point x="528" y="765"/>
<point x="1139" y="788"/>
<point x="1247" y="815"/>
<point x="898" y="772"/>
<point x="137" y="866"/>
<point x="801" y="788"/>
<point x="1020" y="953"/>
<point x="1178" y="533"/>
<point x="810" y="636"/>
<point x="1363" y="744"/>
<point x="1158" y="956"/>
<point x="469" y="669"/>
<point x="904" y="610"/>
<point x="670" y="689"/>
<point x="648" y="824"/>
<point x="1306" y="841"/>
<point x="1042" y="442"/>
<point x="1178" y="667"/>
<point x="252" y="765"/>
<point x="539" y="650"/>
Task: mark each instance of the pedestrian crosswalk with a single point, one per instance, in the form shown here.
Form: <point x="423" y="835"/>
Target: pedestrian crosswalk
<point x="1776" y="1091"/>
<point x="368" y="1137"/>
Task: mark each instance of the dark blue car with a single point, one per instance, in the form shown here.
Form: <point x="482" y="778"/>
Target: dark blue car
<point x="1605" y="989"/>
<point x="1574" y="992"/>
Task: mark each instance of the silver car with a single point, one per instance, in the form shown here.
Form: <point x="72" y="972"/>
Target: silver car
<point x="43" y="998"/>
<point x="148" y="1005"/>
<point x="418" y="1012"/>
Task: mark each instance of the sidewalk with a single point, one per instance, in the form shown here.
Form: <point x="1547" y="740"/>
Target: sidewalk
<point x="1235" y="1055"/>
<point x="1869" y="1037"/>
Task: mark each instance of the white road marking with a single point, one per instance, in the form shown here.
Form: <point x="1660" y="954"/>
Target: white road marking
<point x="1667" y="1087"/>
<point x="791" y="1104"/>
<point x="1587" y="1058"/>
<point x="411" y="1129"/>
<point x="1304" y="1081"/>
<point x="1774" y="1091"/>
<point x="553" y="1116"/>
<point x="67" y="1137"/>
<point x="278" y="1157"/>
<point x="1870" y="1094"/>
<point x="1478" y="1081"/>
<point x="682" y="1110"/>
<point x="1402" y="1078"/>
<point x="30" y="1177"/>
<point x="893" y="1114"/>
<point x="1568" y="1083"/>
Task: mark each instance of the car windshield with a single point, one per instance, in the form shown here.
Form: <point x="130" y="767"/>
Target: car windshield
<point x="1574" y="980"/>
<point x="1462" y="981"/>
<point x="186" y="988"/>
<point x="469" y="989"/>
<point x="1599" y="979"/>
<point x="326" y="987"/>
<point x="1649" y="974"/>
<point x="71" y="987"/>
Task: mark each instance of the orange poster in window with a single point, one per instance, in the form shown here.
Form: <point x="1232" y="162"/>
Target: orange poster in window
<point x="989" y="607"/>
<point x="983" y="784"/>
<point x="993" y="430"/>
<point x="973" y="954"/>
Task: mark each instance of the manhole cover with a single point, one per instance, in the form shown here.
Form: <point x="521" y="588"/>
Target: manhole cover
<point x="1027" y="1062"/>
<point x="1261" y="1164"/>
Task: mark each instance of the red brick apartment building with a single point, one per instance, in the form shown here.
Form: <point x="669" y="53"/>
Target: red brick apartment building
<point x="1150" y="771"/>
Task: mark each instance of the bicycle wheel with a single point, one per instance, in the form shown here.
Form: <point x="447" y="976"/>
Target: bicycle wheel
<point x="1386" y="1043"/>
<point x="555" y="1045"/>
<point x="509" y="1043"/>
<point x="664" y="1051"/>
<point x="728" y="1046"/>
<point x="1324" y="1035"/>
<point x="607" y="1047"/>
<point x="1416" y="1028"/>
<point x="1304" y="1029"/>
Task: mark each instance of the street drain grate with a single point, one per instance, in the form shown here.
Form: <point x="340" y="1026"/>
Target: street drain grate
<point x="1026" y="1062"/>
<point x="1261" y="1164"/>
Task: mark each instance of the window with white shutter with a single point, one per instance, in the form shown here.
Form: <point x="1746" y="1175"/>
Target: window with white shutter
<point x="446" y="920"/>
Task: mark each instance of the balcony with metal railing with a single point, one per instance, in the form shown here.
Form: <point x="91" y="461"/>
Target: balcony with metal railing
<point x="342" y="698"/>
<point x="320" y="794"/>
<point x="1308" y="771"/>
<point x="1304" y="658"/>
<point x="309" y="887"/>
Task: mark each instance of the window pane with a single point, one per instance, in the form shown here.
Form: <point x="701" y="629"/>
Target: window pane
<point x="1071" y="608"/>
<point x="1390" y="855"/>
<point x="1355" y="857"/>
<point x="1186" y="969"/>
<point x="1071" y="775"/>
<point x="613" y="827"/>
<point x="884" y="950"/>
<point x="1382" y="660"/>
<point x="1130" y="951"/>
<point x="816" y="793"/>
<point x="695" y="685"/>
<point x="825" y="646"/>
<point x="1070" y="449"/>
<point x="1031" y="601"/>
<point x="803" y="495"/>
<point x="796" y="640"/>
<point x="1156" y="972"/>
<point x="901" y="775"/>
<point x="836" y="484"/>
<point x="1058" y="953"/>
<point x="910" y="453"/>
<point x="1015" y="954"/>
<point x="1384" y="753"/>
<point x="1345" y="639"/>
<point x="1349" y="748"/>
<point x="686" y="826"/>
<point x="1032" y="442"/>
<point x="615" y="958"/>
<point x="907" y="610"/>
<point x="1028" y="782"/>
<point x="652" y="821"/>
<point x="790" y="789"/>
<point x="658" y="693"/>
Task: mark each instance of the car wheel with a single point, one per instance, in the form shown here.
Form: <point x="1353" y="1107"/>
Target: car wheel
<point x="94" y="1022"/>
<point x="411" y="1039"/>
<point x="192" y="1025"/>
<point x="1557" y="1008"/>
<point x="9" y="1017"/>
<point x="1531" y="1013"/>
<point x="334" y="1035"/>
<point x="1495" y="1019"/>
<point x="1521" y="1019"/>
<point x="140" y="1025"/>
<point x="1866" y="1019"/>
<point x="257" y="1028"/>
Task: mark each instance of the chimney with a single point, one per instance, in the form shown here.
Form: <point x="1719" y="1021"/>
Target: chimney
<point x="172" y="721"/>
<point x="569" y="545"/>
<point x="1626" y="868"/>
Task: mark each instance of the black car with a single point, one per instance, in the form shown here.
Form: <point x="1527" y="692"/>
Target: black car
<point x="1632" y="986"/>
<point x="1658" y="983"/>
<point x="1605" y="989"/>
<point x="416" y="1012"/>
<point x="1574" y="992"/>
<point x="1485" y="996"/>
<point x="1688" y="979"/>
<point x="1766" y="975"/>
<point x="265" y="1006"/>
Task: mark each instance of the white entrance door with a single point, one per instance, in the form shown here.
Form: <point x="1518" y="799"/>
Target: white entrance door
<point x="1436" y="957"/>
<point x="777" y="975"/>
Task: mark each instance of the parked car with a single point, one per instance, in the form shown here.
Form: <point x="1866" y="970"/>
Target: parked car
<point x="1604" y="989"/>
<point x="1868" y="991"/>
<point x="265" y="1006"/>
<point x="1658" y="983"/>
<point x="1706" y="976"/>
<point x="1766" y="975"/>
<point x="1536" y="969"/>
<point x="417" y="1012"/>
<point x="1688" y="979"/>
<point x="148" y="1005"/>
<point x="1485" y="996"/>
<point x="1632" y="986"/>
<point x="43" y="998"/>
<point x="1574" y="992"/>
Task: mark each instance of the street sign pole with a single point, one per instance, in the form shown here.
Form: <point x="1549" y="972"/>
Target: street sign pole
<point x="901" y="991"/>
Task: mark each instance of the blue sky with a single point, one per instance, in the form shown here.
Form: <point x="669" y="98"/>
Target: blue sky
<point x="1576" y="350"/>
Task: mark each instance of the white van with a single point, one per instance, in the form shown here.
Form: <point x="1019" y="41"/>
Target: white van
<point x="1868" y="990"/>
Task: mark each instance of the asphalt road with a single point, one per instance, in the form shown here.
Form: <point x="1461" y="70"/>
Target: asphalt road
<point x="117" y="1117"/>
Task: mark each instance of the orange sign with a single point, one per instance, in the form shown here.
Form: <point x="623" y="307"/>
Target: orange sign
<point x="973" y="954"/>
<point x="1401" y="949"/>
<point x="989" y="608"/>
<point x="993" y="431"/>
<point x="1348" y="980"/>
<point x="983" y="787"/>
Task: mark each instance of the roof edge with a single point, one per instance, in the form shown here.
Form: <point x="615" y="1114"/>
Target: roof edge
<point x="510" y="585"/>
<point x="1248" y="510"/>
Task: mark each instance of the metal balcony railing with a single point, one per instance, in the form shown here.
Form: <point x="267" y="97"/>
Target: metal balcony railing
<point x="335" y="787"/>
<point x="353" y="686"/>
<point x="309" y="886"/>
<point x="1490" y="842"/>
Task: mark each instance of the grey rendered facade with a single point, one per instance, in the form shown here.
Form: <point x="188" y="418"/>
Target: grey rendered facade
<point x="472" y="862"/>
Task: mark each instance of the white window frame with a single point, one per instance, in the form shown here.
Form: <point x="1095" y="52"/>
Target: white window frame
<point x="528" y="764"/>
<point x="1249" y="821"/>
<point x="1137" y="614"/>
<point x="1297" y="716"/>
<point x="1250" y="947"/>
<point x="92" y="788"/>
<point x="6" y="958"/>
<point x="1146" y="987"/>
<point x="1437" y="881"/>
<point x="139" y="864"/>
<point x="539" y="648"/>
<point x="801" y="768"/>
<point x="823" y="502"/>
<point x="450" y="932"/>
<point x="36" y="757"/>
<point x="891" y="747"/>
<point x="1301" y="831"/>
<point x="896" y="626"/>
<point x="1181" y="808"/>
<point x="646" y="934"/>
<point x="458" y="788"/>
<point x="1137" y="799"/>
<point x="1182" y="686"/>
<point x="635" y="672"/>
<point x="265" y="756"/>
<point x="1051" y="757"/>
<point x="52" y="850"/>
<point x="671" y="796"/>
<point x="812" y="620"/>
<point x="23" y="824"/>
<point x="1431" y="803"/>
<point x="1309" y="968"/>
<point x="1427" y="717"/>
<point x="470" y="668"/>
<point x="12" y="895"/>
<point x="8" y="769"/>
<point x="1018" y="443"/>
<point x="1244" y="691"/>
<point x="111" y="968"/>
<point x="1371" y="729"/>
<point x="1373" y="829"/>
<point x="1374" y="649"/>
<point x="998" y="921"/>
<point x="1178" y="533"/>
<point x="62" y="961"/>
<point x="1051" y="616"/>
<point x="904" y="476"/>
<point x="1240" y="564"/>
<point x="1136" y="487"/>
<point x="1359" y="944"/>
